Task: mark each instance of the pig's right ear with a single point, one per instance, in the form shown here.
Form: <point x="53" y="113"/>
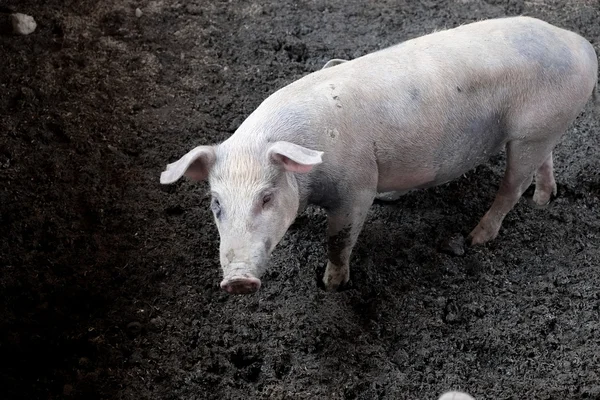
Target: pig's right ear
<point x="195" y="165"/>
<point x="294" y="158"/>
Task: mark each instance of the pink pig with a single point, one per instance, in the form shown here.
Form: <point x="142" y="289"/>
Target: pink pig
<point x="414" y="115"/>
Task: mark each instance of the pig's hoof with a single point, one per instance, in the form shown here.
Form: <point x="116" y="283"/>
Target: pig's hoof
<point x="537" y="205"/>
<point x="544" y="193"/>
<point x="334" y="285"/>
<point x="335" y="278"/>
<point x="481" y="235"/>
<point x="542" y="199"/>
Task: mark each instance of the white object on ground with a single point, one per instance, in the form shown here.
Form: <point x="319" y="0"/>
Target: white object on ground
<point x="138" y="12"/>
<point x="455" y="396"/>
<point x="22" y="24"/>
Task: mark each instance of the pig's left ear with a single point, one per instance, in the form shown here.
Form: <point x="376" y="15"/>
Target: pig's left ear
<point x="333" y="63"/>
<point x="294" y="158"/>
<point x="195" y="165"/>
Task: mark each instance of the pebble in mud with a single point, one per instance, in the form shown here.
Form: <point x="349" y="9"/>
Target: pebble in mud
<point x="157" y="324"/>
<point x="84" y="362"/>
<point x="455" y="396"/>
<point x="22" y="24"/>
<point x="134" y="328"/>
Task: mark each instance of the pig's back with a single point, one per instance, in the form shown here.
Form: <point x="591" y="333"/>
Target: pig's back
<point x="517" y="44"/>
<point x="438" y="104"/>
<point x="447" y="101"/>
<point x="492" y="64"/>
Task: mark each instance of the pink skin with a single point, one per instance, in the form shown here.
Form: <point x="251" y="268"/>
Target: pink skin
<point x="255" y="199"/>
<point x="240" y="285"/>
<point x="248" y="234"/>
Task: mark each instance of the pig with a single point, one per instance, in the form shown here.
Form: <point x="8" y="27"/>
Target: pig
<point x="412" y="116"/>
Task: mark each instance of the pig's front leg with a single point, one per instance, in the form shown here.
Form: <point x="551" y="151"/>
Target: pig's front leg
<point x="344" y="226"/>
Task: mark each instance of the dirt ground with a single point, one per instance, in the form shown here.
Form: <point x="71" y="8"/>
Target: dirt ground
<point x="109" y="281"/>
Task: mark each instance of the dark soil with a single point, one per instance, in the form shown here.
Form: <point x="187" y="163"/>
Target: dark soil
<point x="109" y="281"/>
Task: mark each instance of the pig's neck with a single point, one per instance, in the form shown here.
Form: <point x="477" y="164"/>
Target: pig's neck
<point x="304" y="190"/>
<point x="319" y="188"/>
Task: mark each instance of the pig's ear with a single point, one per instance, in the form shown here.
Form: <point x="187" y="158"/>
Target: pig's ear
<point x="195" y="165"/>
<point x="294" y="158"/>
<point x="333" y="62"/>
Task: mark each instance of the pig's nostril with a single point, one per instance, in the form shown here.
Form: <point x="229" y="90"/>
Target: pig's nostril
<point x="240" y="285"/>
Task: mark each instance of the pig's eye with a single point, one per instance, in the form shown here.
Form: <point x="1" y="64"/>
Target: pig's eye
<point x="215" y="207"/>
<point x="267" y="199"/>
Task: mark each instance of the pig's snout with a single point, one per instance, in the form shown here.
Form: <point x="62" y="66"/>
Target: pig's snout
<point x="240" y="285"/>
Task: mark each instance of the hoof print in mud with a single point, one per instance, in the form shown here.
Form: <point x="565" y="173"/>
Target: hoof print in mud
<point x="454" y="245"/>
<point x="247" y="363"/>
<point x="296" y="51"/>
<point x="134" y="329"/>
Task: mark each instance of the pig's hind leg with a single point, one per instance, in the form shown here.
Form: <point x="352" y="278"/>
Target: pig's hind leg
<point x="545" y="185"/>
<point x="391" y="196"/>
<point x="523" y="159"/>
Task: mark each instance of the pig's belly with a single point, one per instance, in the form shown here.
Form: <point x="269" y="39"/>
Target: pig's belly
<point x="431" y="162"/>
<point x="393" y="177"/>
<point x="398" y="178"/>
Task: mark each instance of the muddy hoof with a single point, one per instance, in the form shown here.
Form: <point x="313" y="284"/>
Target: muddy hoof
<point x="533" y="204"/>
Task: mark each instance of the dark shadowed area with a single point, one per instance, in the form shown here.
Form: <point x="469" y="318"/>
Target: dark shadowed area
<point x="109" y="282"/>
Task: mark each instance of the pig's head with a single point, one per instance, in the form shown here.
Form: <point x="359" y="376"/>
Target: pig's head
<point x="255" y="199"/>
